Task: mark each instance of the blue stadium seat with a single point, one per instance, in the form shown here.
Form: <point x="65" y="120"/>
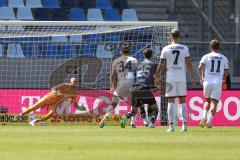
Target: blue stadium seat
<point x="102" y="52"/>
<point x="54" y="50"/>
<point x="112" y="37"/>
<point x="62" y="39"/>
<point x="75" y="38"/>
<point x="42" y="14"/>
<point x="50" y="50"/>
<point x="65" y="50"/>
<point x="94" y="15"/>
<point x="3" y="3"/>
<point x="60" y="14"/>
<point x="15" y="50"/>
<point x="129" y="15"/>
<point x="51" y="4"/>
<point x="7" y="13"/>
<point x="24" y="14"/>
<point x="112" y="15"/>
<point x="33" y="4"/>
<point x="103" y="4"/>
<point x="15" y="3"/>
<point x="31" y="50"/>
<point x="93" y="38"/>
<point x="1" y="50"/>
<point x="77" y="14"/>
<point x="86" y="49"/>
<point x="120" y="4"/>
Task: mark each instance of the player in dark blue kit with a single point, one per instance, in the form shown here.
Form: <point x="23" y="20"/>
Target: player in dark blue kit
<point x="142" y="96"/>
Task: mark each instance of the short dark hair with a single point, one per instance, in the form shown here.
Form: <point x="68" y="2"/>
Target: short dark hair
<point x="215" y="44"/>
<point x="175" y="33"/>
<point x="148" y="53"/>
<point x="125" y="49"/>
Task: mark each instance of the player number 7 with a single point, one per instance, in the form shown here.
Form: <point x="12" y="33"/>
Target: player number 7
<point x="177" y="52"/>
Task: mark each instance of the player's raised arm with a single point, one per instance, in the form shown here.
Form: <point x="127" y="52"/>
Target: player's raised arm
<point x="191" y="70"/>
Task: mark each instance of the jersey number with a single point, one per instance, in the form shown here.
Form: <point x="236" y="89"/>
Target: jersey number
<point x="177" y="52"/>
<point x="218" y="66"/>
<point x="128" y="66"/>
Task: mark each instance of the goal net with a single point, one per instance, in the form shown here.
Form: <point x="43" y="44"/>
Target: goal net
<point x="36" y="56"/>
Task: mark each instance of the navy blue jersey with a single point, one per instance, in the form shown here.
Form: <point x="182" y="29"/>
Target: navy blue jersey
<point x="144" y="76"/>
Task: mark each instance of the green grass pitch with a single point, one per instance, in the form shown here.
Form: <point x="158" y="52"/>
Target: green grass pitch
<point x="115" y="143"/>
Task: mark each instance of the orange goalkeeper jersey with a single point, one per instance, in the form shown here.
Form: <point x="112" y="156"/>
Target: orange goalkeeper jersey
<point x="53" y="99"/>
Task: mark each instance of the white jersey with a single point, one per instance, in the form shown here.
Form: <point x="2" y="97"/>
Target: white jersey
<point x="125" y="67"/>
<point x="214" y="64"/>
<point x="175" y="55"/>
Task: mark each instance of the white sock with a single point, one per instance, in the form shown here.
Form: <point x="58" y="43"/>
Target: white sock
<point x="183" y="112"/>
<point x="204" y="114"/>
<point x="209" y="120"/>
<point x="145" y="121"/>
<point x="132" y="120"/>
<point x="108" y="112"/>
<point x="170" y="112"/>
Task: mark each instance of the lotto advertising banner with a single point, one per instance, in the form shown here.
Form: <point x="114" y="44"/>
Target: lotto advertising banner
<point x="95" y="101"/>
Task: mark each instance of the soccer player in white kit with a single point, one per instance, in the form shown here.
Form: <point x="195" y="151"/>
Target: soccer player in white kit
<point x="121" y="80"/>
<point x="175" y="57"/>
<point x="212" y="69"/>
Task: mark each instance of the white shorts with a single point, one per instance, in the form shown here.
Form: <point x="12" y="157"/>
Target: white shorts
<point x="176" y="89"/>
<point x="212" y="90"/>
<point x="123" y="90"/>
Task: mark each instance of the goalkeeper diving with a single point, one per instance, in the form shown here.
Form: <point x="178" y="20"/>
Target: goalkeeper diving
<point x="58" y="94"/>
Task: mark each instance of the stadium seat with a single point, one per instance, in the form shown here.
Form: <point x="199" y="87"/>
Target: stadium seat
<point x="42" y="14"/>
<point x="111" y="15"/>
<point x="120" y="4"/>
<point x="15" y="3"/>
<point x="24" y="14"/>
<point x="7" y="13"/>
<point x="3" y="3"/>
<point x="112" y="37"/>
<point x="103" y="4"/>
<point x="33" y="4"/>
<point x="102" y="52"/>
<point x="129" y="15"/>
<point x="77" y="14"/>
<point x="60" y="14"/>
<point x="31" y="50"/>
<point x="51" y="4"/>
<point x="15" y="50"/>
<point x="61" y="39"/>
<point x="93" y="38"/>
<point x="86" y="49"/>
<point x="75" y="38"/>
<point x="1" y="50"/>
<point x="94" y="14"/>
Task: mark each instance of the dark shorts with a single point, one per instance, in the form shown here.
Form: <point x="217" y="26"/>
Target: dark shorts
<point x="142" y="96"/>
